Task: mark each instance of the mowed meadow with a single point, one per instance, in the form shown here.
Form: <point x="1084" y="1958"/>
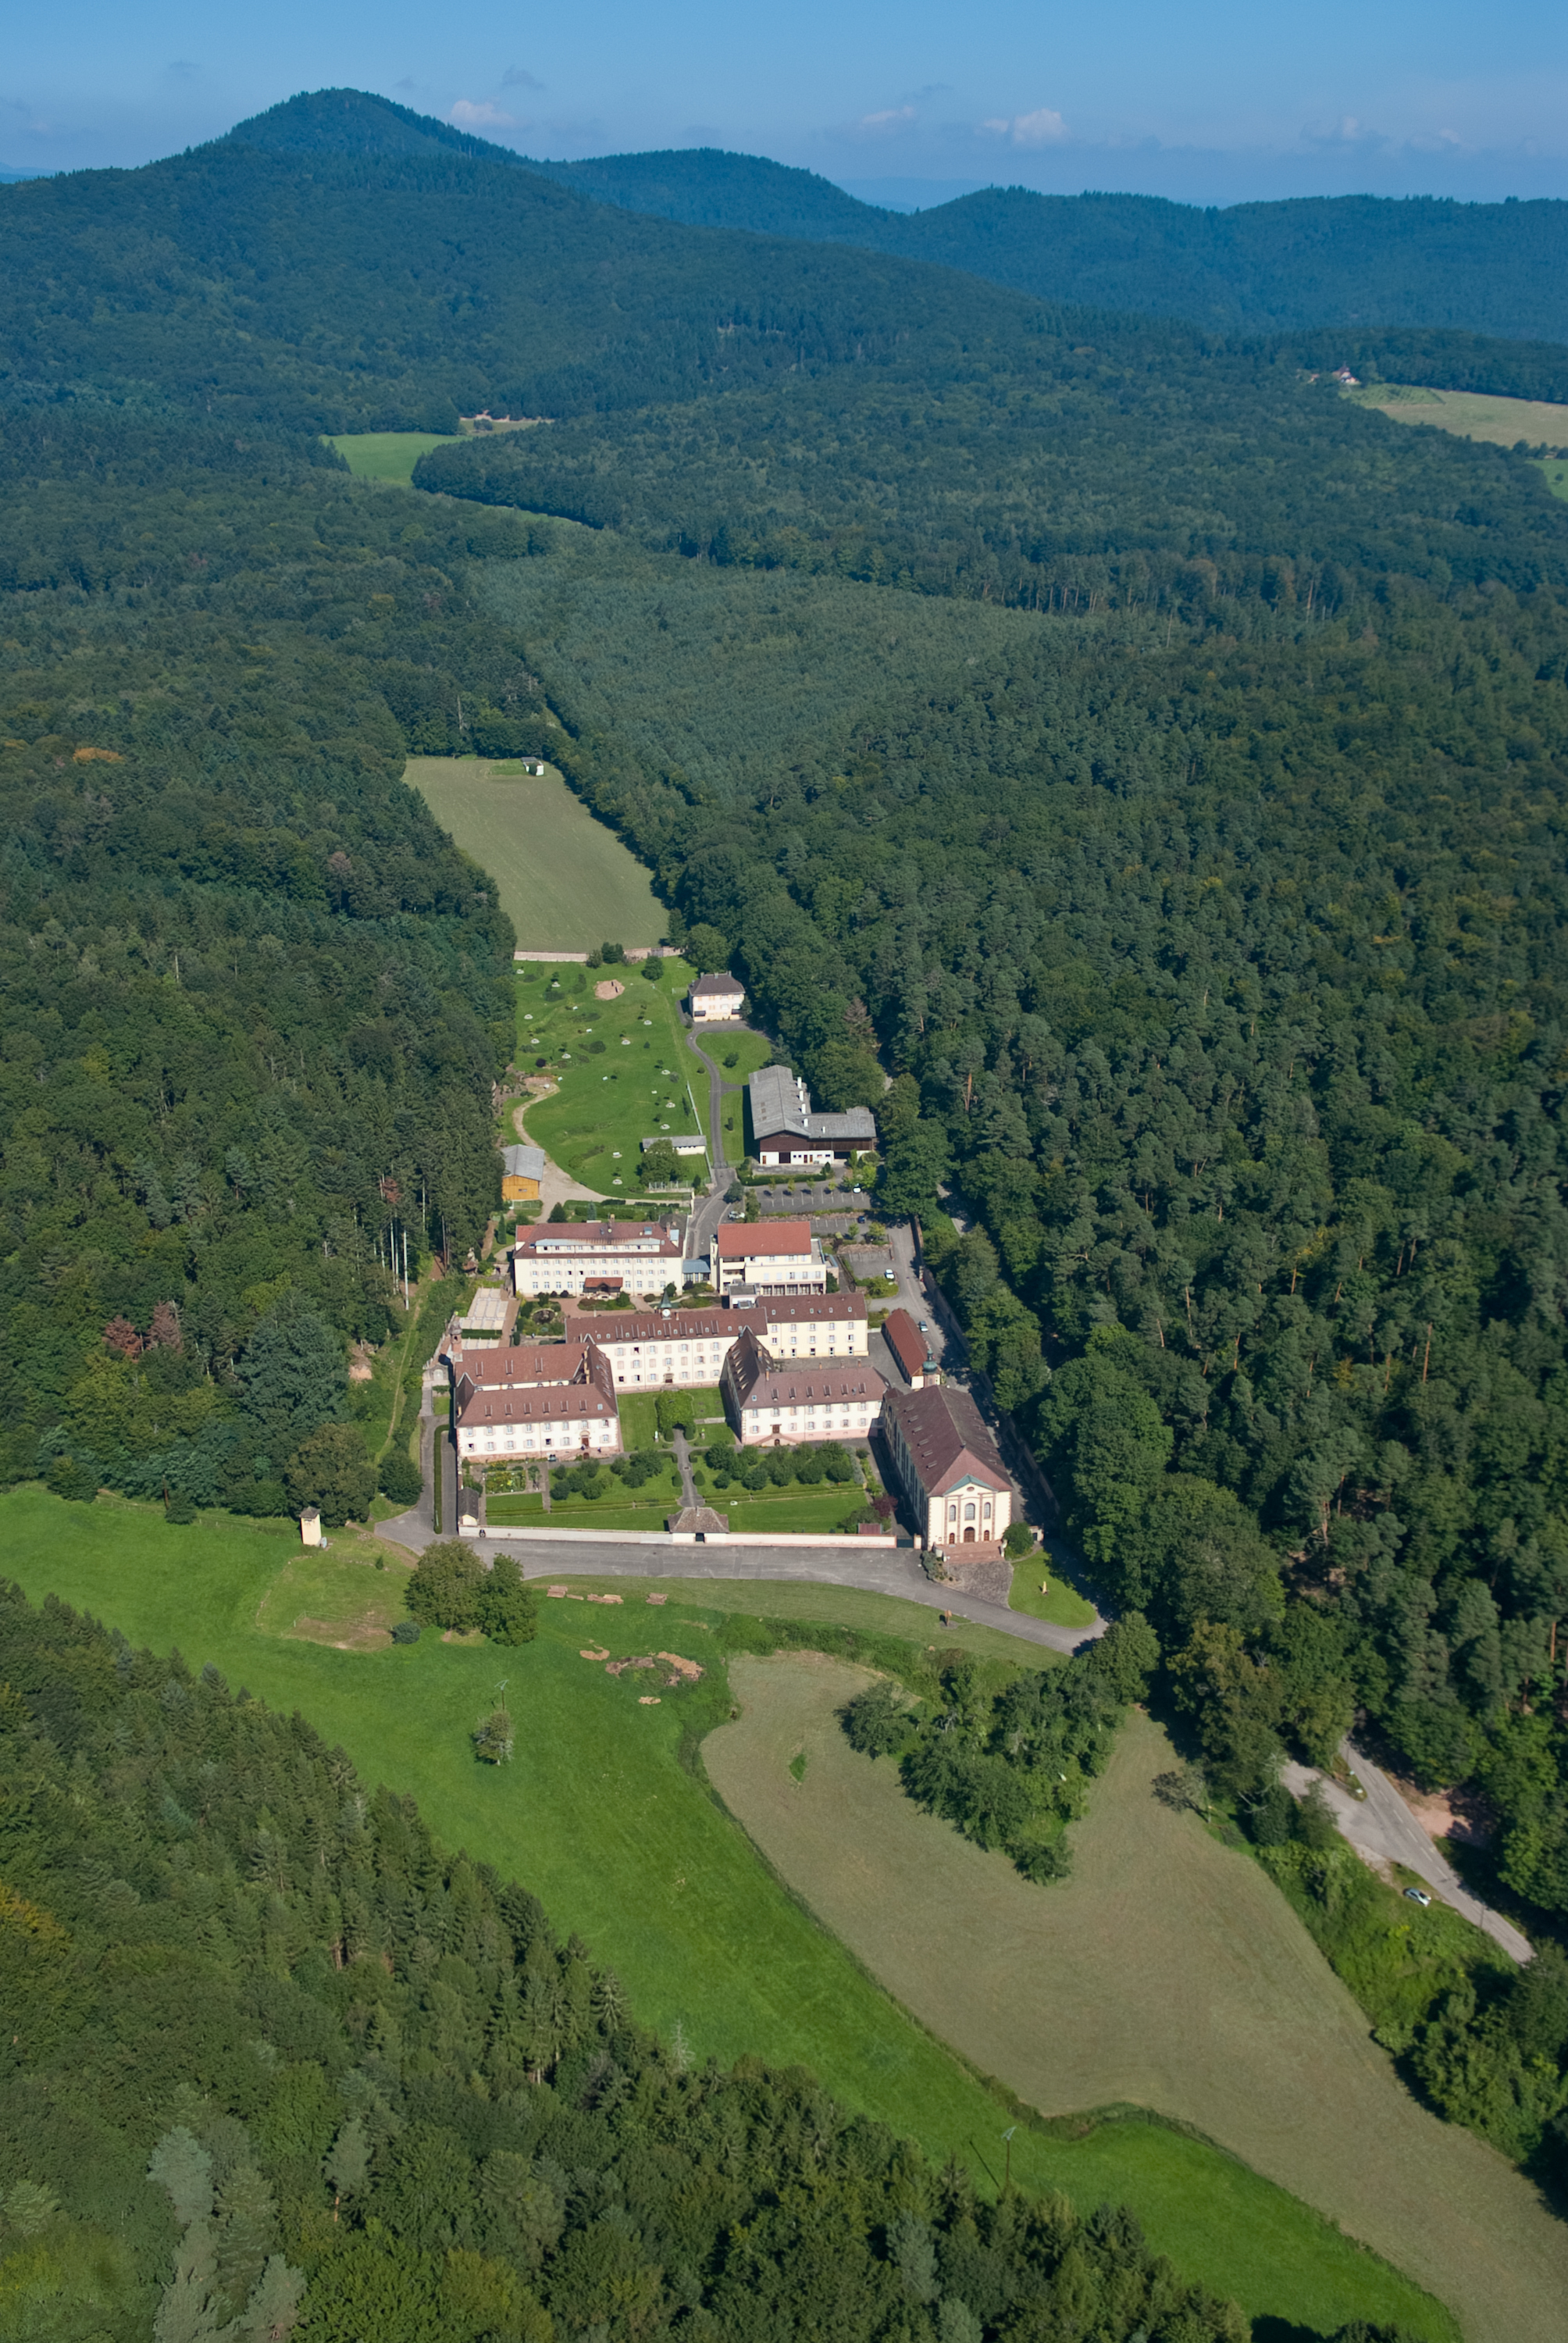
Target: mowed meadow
<point x="605" y="1817"/>
<point x="565" y="881"/>
<point x="1166" y="1973"/>
<point x="622" y="1070"/>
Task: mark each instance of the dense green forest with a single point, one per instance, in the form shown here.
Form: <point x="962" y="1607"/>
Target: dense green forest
<point x="1351" y="261"/>
<point x="1103" y="478"/>
<point x="278" y="2063"/>
<point x="254" y="997"/>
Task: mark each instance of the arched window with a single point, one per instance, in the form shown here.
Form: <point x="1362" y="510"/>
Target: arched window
<point x="969" y="1512"/>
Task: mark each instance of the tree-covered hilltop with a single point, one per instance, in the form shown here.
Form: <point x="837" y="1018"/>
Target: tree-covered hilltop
<point x="361" y="292"/>
<point x="276" y="2063"/>
<point x="254" y="997"/>
<point x="1352" y="262"/>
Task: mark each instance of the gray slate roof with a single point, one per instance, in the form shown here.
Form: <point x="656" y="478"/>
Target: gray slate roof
<point x="780" y="1103"/>
<point x="523" y="1163"/>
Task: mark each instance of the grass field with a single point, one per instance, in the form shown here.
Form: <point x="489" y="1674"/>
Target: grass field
<point x="1473" y="414"/>
<point x="387" y="454"/>
<point x="1556" y="472"/>
<point x="1167" y="1971"/>
<point x="602" y="1820"/>
<point x="622" y="1068"/>
<point x="565" y="881"/>
<point x="1062" y="1607"/>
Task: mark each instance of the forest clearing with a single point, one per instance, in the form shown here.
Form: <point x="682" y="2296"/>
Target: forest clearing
<point x="386" y="456"/>
<point x="564" y="880"/>
<point x="600" y="1819"/>
<point x="1167" y="1971"/>
<point x="1470" y="413"/>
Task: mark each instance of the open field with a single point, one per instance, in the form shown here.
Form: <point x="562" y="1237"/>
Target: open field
<point x="1166" y="1972"/>
<point x="1473" y="414"/>
<point x="622" y="1070"/>
<point x="565" y="881"/>
<point x="1062" y="1607"/>
<point x="601" y="1818"/>
<point x="1556" y="472"/>
<point x="386" y="454"/>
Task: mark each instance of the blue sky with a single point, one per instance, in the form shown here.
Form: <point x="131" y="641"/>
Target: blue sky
<point x="1219" y="103"/>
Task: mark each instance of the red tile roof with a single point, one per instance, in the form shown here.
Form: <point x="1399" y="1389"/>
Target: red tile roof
<point x="946" y="1438"/>
<point x="739" y="1239"/>
<point x="907" y="1343"/>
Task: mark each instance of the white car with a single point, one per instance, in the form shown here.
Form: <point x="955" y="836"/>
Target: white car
<point x="1418" y="1895"/>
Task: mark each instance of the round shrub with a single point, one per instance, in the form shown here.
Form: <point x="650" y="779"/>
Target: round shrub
<point x="444" y="1591"/>
<point x="406" y="1631"/>
<point x="180" y="1510"/>
<point x="1019" y="1539"/>
<point x="68" y="1477"/>
<point x="401" y="1480"/>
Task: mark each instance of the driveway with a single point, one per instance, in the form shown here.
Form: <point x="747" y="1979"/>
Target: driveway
<point x="1381" y="1825"/>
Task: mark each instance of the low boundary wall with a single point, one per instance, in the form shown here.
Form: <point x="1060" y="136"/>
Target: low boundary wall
<point x="609" y="1536"/>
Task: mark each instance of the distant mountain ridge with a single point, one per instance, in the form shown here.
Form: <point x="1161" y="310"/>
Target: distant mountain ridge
<point x="1358" y="261"/>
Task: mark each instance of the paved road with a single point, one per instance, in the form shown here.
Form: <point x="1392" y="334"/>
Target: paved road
<point x="1381" y="1824"/>
<point x="883" y="1571"/>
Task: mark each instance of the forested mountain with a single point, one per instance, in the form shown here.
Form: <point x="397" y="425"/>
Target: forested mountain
<point x="1354" y="261"/>
<point x="358" y="291"/>
<point x="276" y="2063"/>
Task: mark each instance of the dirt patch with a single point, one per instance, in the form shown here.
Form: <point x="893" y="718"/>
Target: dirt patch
<point x="610" y="989"/>
<point x="1166" y="1973"/>
<point x="1463" y="1814"/>
<point x="368" y="1634"/>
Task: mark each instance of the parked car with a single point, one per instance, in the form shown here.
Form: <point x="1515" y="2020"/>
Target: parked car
<point x="1418" y="1895"/>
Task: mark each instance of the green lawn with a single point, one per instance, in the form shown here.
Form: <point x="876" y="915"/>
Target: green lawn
<point x="611" y="1518"/>
<point x="789" y="1511"/>
<point x="642" y="1082"/>
<point x="601" y="1818"/>
<point x="1062" y="1607"/>
<point x="1556" y="472"/>
<point x="387" y="454"/>
<point x="565" y="881"/>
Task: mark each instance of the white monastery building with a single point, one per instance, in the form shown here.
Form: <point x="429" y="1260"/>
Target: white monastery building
<point x="676" y="1347"/>
<point x="770" y="1257"/>
<point x="598" y="1257"/>
<point x="550" y="1400"/>
<point x="770" y="1404"/>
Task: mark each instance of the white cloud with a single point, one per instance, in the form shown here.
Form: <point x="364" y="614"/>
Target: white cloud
<point x="1043" y="127"/>
<point x="888" y="119"/>
<point x="482" y="116"/>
